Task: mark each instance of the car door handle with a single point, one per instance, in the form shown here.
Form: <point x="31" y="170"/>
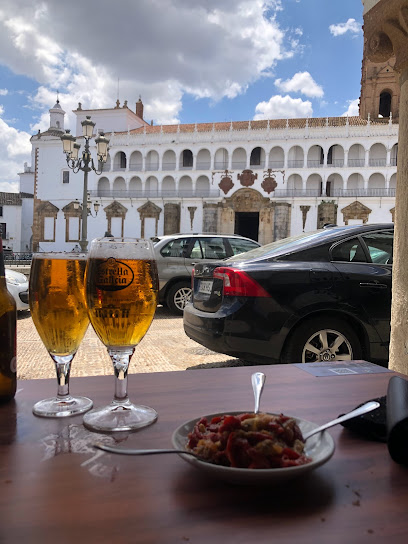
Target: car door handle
<point x="373" y="285"/>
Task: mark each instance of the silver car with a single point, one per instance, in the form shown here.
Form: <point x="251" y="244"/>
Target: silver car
<point x="176" y="255"/>
<point x="17" y="284"/>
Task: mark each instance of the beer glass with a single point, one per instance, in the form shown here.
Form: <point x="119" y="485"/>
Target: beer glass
<point x="59" y="312"/>
<point x="121" y="285"/>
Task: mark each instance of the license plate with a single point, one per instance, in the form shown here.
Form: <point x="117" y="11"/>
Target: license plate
<point x="205" y="287"/>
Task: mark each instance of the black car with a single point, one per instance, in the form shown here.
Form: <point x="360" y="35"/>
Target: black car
<point x="320" y="296"/>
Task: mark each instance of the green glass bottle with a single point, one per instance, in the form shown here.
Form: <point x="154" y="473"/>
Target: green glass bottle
<point x="8" y="323"/>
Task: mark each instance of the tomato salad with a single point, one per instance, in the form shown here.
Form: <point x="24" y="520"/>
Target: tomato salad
<point x="249" y="441"/>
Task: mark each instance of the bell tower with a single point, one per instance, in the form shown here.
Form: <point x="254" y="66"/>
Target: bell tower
<point x="380" y="91"/>
<point x="57" y="117"/>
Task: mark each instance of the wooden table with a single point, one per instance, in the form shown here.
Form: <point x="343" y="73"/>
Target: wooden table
<point x="56" y="487"/>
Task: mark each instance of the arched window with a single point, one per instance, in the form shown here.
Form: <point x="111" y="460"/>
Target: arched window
<point x="385" y="104"/>
<point x="187" y="158"/>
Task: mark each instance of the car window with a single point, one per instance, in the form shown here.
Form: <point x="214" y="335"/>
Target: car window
<point x="311" y="254"/>
<point x="241" y="246"/>
<point x="196" y="252"/>
<point x="380" y="246"/>
<point x="350" y="251"/>
<point x="213" y="248"/>
<point x="175" y="248"/>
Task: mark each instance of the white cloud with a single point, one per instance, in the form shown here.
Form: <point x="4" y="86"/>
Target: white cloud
<point x="301" y="82"/>
<point x="283" y="107"/>
<point x="160" y="49"/>
<point x="15" y="149"/>
<point x="350" y="26"/>
<point x="353" y="108"/>
<point x="3" y="92"/>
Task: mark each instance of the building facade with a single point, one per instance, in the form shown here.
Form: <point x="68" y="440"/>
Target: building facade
<point x="262" y="179"/>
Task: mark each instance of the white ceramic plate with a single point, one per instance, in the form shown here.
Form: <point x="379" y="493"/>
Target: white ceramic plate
<point x="319" y="447"/>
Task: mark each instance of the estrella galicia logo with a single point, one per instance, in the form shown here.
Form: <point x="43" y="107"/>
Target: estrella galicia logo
<point x="113" y="275"/>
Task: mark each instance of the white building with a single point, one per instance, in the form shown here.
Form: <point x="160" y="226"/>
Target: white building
<point x="16" y="218"/>
<point x="263" y="179"/>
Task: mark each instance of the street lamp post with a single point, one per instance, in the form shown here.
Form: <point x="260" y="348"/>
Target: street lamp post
<point x="86" y="164"/>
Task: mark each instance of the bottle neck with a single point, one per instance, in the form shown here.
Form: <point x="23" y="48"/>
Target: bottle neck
<point x="2" y="271"/>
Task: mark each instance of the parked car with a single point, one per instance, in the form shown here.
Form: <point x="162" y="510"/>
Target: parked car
<point x="17" y="284"/>
<point x="176" y="255"/>
<point x="320" y="296"/>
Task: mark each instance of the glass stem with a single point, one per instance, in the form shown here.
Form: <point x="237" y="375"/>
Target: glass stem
<point x="120" y="359"/>
<point x="63" y="369"/>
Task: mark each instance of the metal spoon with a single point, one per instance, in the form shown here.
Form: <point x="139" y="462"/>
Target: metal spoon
<point x="367" y="407"/>
<point x="258" y="381"/>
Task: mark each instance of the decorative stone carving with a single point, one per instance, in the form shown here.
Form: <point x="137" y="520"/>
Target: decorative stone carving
<point x="116" y="209"/>
<point x="269" y="182"/>
<point x="356" y="210"/>
<point x="192" y="210"/>
<point x="304" y="210"/>
<point x="247" y="178"/>
<point x="226" y="183"/>
<point x="149" y="210"/>
<point x="247" y="200"/>
<point x="46" y="209"/>
<point x="386" y="30"/>
<point x="73" y="209"/>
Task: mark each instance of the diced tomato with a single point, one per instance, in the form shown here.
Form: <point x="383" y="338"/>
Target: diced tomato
<point x="230" y="423"/>
<point x="291" y="454"/>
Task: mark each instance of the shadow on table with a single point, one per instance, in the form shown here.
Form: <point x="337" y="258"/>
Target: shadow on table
<point x="305" y="495"/>
<point x="24" y="314"/>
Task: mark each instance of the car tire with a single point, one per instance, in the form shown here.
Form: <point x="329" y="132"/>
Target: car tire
<point x="178" y="296"/>
<point x="322" y="339"/>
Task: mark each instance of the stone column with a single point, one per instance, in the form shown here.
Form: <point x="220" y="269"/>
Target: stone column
<point x="386" y="32"/>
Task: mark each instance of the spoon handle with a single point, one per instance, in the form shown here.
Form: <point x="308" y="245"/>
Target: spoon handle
<point x="124" y="451"/>
<point x="367" y="407"/>
<point x="258" y="381"/>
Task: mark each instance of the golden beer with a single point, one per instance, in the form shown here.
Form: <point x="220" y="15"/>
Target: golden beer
<point x="57" y="302"/>
<point x="121" y="298"/>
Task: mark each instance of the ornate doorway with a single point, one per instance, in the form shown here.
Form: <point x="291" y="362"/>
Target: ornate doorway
<point x="247" y="224"/>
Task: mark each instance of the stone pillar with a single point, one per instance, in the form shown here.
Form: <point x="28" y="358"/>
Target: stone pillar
<point x="386" y="32"/>
<point x="227" y="220"/>
<point x="282" y="220"/>
<point x="266" y="222"/>
<point x="171" y="218"/>
<point x="210" y="218"/>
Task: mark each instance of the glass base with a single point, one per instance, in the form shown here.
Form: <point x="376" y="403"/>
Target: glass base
<point x="120" y="416"/>
<point x="62" y="406"/>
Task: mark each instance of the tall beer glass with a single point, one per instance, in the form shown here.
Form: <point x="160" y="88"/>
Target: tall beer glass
<point x="121" y="289"/>
<point x="58" y="308"/>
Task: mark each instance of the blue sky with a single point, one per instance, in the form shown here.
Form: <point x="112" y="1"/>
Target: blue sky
<point x="191" y="61"/>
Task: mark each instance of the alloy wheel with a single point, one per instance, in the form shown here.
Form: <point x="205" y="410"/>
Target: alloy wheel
<point x="327" y="345"/>
<point x="181" y="297"/>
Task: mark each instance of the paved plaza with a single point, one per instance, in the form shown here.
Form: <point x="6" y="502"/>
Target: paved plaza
<point x="165" y="347"/>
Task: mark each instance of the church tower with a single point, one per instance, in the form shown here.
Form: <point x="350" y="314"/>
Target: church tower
<point x="380" y="91"/>
<point x="57" y="117"/>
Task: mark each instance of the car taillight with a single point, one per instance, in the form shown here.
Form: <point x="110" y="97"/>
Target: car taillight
<point x="238" y="284"/>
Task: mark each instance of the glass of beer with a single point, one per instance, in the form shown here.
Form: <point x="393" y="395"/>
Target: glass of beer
<point x="59" y="312"/>
<point x="121" y="285"/>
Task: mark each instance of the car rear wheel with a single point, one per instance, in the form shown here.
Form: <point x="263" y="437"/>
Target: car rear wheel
<point x="322" y="340"/>
<point x="178" y="296"/>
